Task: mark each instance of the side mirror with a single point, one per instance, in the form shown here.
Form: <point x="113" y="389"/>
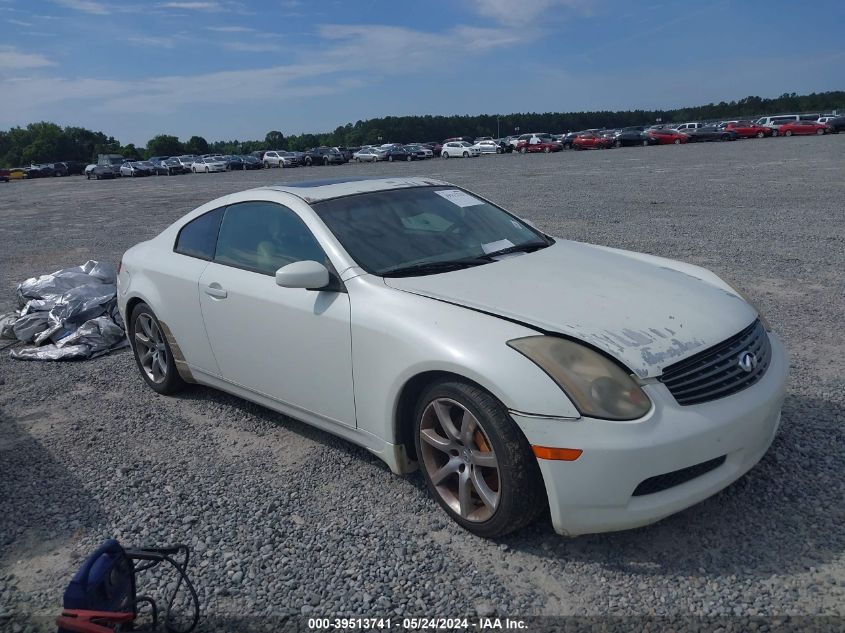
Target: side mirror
<point x="306" y="274"/>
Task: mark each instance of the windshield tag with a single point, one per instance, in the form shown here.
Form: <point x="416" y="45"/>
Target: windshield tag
<point x="458" y="198"/>
<point x="491" y="247"/>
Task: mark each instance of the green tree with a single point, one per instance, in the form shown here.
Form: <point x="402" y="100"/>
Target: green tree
<point x="196" y="145"/>
<point x="164" y="145"/>
<point x="275" y="140"/>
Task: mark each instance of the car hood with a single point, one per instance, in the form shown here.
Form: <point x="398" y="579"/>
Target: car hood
<point x="647" y="312"/>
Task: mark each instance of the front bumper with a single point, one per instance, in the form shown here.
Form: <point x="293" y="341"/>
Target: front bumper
<point x="595" y="492"/>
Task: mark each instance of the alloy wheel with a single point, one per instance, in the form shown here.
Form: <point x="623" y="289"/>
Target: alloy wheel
<point x="151" y="348"/>
<point x="459" y="460"/>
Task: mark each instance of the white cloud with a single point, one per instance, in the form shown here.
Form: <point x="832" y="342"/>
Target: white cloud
<point x="512" y="12"/>
<point x="12" y="58"/>
<point x="251" y="47"/>
<point x="18" y="22"/>
<point x="86" y="6"/>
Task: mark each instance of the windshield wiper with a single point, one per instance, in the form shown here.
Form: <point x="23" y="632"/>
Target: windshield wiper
<point x="517" y="248"/>
<point x="430" y="268"/>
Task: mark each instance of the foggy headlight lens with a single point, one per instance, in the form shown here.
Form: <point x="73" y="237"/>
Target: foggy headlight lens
<point x="596" y="385"/>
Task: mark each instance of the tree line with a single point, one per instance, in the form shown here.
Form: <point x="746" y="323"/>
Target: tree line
<point x="45" y="142"/>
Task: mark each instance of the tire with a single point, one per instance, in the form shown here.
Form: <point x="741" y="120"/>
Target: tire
<point x="788" y="133"/>
<point x="820" y="131"/>
<point x="499" y="150"/>
<point x="677" y="141"/>
<point x="760" y="134"/>
<point x="444" y="154"/>
<point x="522" y="150"/>
<point x="96" y="177"/>
<point x="645" y="143"/>
<point x="409" y="158"/>
<point x="511" y="482"/>
<point x="546" y="150"/>
<point x="390" y="158"/>
<point x="145" y="328"/>
<point x="466" y="154"/>
<point x="326" y="162"/>
<point x="87" y="176"/>
<point x="725" y="137"/>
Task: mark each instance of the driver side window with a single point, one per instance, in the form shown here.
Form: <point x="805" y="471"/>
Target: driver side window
<point x="264" y="236"/>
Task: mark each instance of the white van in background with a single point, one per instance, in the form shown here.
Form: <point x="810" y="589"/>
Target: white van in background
<point x="780" y="119"/>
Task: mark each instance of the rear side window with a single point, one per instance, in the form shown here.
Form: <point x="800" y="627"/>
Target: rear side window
<point x="264" y="236"/>
<point x="199" y="237"/>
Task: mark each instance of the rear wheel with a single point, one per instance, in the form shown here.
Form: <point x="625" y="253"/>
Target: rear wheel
<point x="546" y="150"/>
<point x="820" y="131"/>
<point x="409" y="158"/>
<point x="475" y="460"/>
<point x="522" y="150"/>
<point x="677" y="141"/>
<point x="152" y="351"/>
<point x="760" y="134"/>
<point x="444" y="154"/>
<point x="788" y="133"/>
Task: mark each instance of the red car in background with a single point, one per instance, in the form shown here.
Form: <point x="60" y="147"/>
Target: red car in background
<point x="668" y="136"/>
<point x="802" y="128"/>
<point x="591" y="141"/>
<point x="747" y="129"/>
<point x="524" y="147"/>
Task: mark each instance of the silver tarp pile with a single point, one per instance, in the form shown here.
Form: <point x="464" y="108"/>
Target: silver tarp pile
<point x="71" y="313"/>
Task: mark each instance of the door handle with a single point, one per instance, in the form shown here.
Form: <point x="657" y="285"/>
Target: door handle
<point x="214" y="290"/>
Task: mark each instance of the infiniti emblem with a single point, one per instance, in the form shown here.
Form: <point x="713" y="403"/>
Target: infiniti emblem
<point x="747" y="362"/>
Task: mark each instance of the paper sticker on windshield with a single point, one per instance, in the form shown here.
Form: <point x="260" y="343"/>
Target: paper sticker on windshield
<point x="459" y="198"/>
<point x="492" y="247"/>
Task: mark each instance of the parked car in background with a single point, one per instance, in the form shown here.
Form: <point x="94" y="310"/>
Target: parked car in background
<point x="234" y="162"/>
<point x="454" y="149"/>
<point x="631" y="136"/>
<point x="398" y="152"/>
<point x="369" y="155"/>
<point x="157" y="159"/>
<point x="157" y="169"/>
<point x="836" y="125"/>
<point x="686" y="127"/>
<point x="488" y="146"/>
<point x="292" y="159"/>
<point x="174" y="166"/>
<point x="538" y="145"/>
<point x="187" y="161"/>
<point x="323" y="156"/>
<point x="251" y="162"/>
<point x="710" y="133"/>
<point x="4" y="175"/>
<point x="667" y="136"/>
<point x="802" y="128"/>
<point x="591" y="140"/>
<point x="747" y="129"/>
<point x="99" y="172"/>
<point x="419" y="151"/>
<point x="134" y="169"/>
<point x="209" y="164"/>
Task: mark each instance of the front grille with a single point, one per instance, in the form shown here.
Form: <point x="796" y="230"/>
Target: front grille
<point x="716" y="373"/>
<point x="677" y="477"/>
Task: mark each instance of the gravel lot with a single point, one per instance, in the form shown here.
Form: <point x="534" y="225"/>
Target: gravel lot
<point x="285" y="519"/>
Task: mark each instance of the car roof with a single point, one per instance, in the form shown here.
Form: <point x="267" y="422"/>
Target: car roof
<point x="326" y="189"/>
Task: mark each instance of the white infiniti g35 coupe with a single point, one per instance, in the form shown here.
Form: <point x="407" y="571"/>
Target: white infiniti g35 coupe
<point x="519" y="371"/>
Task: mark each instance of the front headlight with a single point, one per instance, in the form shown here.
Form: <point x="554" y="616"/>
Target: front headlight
<point x="598" y="386"/>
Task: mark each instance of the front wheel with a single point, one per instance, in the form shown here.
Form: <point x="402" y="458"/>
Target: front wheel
<point x="760" y="134"/>
<point x="788" y="133"/>
<point x="546" y="150"/>
<point x="390" y="159"/>
<point x="152" y="351"/>
<point x="820" y="131"/>
<point x="522" y="150"/>
<point x="476" y="462"/>
<point x="466" y="154"/>
<point x="677" y="141"/>
<point x="409" y="158"/>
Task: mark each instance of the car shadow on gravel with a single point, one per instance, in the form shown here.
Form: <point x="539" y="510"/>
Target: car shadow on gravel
<point x="784" y="516"/>
<point x="45" y="506"/>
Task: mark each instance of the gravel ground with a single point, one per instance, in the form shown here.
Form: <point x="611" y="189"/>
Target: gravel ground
<point x="287" y="520"/>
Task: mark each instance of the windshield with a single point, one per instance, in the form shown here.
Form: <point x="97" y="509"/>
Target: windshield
<point x="386" y="231"/>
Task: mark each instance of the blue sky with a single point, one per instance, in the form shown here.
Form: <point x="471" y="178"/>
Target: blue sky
<point x="227" y="69"/>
